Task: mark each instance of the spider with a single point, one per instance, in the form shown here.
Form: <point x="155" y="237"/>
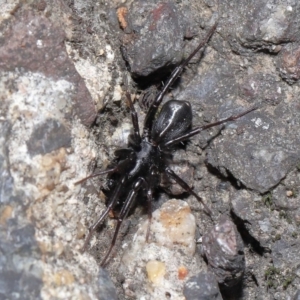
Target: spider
<point x="139" y="166"/>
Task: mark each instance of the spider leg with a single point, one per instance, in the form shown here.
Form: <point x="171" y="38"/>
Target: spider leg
<point x="149" y="208"/>
<point x="177" y="71"/>
<point x="123" y="213"/>
<point x="134" y="118"/>
<point x="112" y="203"/>
<point x="152" y="183"/>
<point x="109" y="171"/>
<point x="197" y="130"/>
<point x="120" y="167"/>
<point x="187" y="188"/>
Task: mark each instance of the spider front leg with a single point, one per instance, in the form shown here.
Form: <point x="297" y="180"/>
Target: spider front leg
<point x="123" y="214"/>
<point x="175" y="74"/>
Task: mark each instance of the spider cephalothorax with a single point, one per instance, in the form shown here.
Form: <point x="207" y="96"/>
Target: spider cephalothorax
<point x="140" y="165"/>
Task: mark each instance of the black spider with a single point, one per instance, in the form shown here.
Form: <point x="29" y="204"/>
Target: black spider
<point x="140" y="165"/>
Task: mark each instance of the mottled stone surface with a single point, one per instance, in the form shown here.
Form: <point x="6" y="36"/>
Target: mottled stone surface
<point x="256" y="219"/>
<point x="224" y="250"/>
<point x="40" y="90"/>
<point x="21" y="272"/>
<point x="158" y="22"/>
<point x="167" y="257"/>
<point x="182" y="169"/>
<point x="107" y="289"/>
<point x="288" y="63"/>
<point x="203" y="286"/>
<point x="297" y="295"/>
<point x="48" y="136"/>
<point x="34" y="43"/>
<point x="60" y="63"/>
<point x="264" y="142"/>
<point x="264" y="25"/>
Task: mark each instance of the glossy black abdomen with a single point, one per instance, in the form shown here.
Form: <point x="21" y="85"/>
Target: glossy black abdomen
<point x="173" y="120"/>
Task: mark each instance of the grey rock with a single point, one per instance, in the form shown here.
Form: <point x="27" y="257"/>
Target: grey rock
<point x="285" y="253"/>
<point x="264" y="157"/>
<point x="265" y="87"/>
<point x="20" y="276"/>
<point x="224" y="250"/>
<point x="157" y="42"/>
<point x="202" y="287"/>
<point x="252" y="59"/>
<point x="107" y="290"/>
<point x="211" y="88"/>
<point x="6" y="186"/>
<point x="17" y="236"/>
<point x="15" y="285"/>
<point x="211" y="93"/>
<point x="267" y="25"/>
<point x="297" y="295"/>
<point x="185" y="172"/>
<point x="45" y="53"/>
<point x="264" y="144"/>
<point x="23" y="238"/>
<point x="255" y="220"/>
<point x="38" y="83"/>
<point x="282" y="200"/>
<point x="8" y="281"/>
<point x="49" y="136"/>
<point x="288" y="63"/>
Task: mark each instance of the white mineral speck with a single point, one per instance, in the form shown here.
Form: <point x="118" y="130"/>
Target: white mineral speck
<point x="68" y="237"/>
<point x="39" y="43"/>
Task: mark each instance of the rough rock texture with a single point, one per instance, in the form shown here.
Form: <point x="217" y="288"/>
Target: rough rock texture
<point x="203" y="286"/>
<point x="42" y="98"/>
<point x="60" y="64"/>
<point x="35" y="43"/>
<point x="168" y="256"/>
<point x="224" y="250"/>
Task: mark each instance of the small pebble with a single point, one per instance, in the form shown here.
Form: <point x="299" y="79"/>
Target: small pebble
<point x="156" y="270"/>
<point x="203" y="286"/>
<point x="6" y="214"/>
<point x="63" y="277"/>
<point x="182" y="272"/>
<point x="224" y="250"/>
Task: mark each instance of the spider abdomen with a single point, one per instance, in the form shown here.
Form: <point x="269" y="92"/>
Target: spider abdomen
<point x="174" y="119"/>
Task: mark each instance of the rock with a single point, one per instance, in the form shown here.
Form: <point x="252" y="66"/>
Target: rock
<point x="266" y="26"/>
<point x="185" y="172"/>
<point x="167" y="257"/>
<point x="44" y="52"/>
<point x="263" y="86"/>
<point x="41" y="90"/>
<point x="60" y="63"/>
<point x="263" y="143"/>
<point x="203" y="286"/>
<point x="48" y="136"/>
<point x="284" y="253"/>
<point x="297" y="295"/>
<point x="224" y="250"/>
<point x="158" y="22"/>
<point x="288" y="63"/>
<point x="255" y="219"/>
<point x="107" y="290"/>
